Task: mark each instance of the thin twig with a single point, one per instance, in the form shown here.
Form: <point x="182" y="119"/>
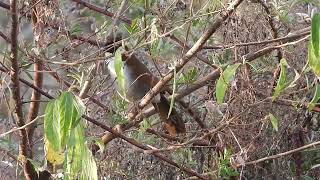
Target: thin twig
<point x="101" y="10"/>
<point x="19" y="128"/>
<point x="288" y="38"/>
<point x="5" y="37"/>
<point x="120" y="135"/>
<point x="281" y="154"/>
<point x="192" y="52"/>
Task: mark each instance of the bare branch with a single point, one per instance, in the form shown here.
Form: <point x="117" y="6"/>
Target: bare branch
<point x="4" y="5"/>
<point x="312" y="145"/>
<point x="192" y="52"/>
<point x="24" y="149"/>
<point x="38" y="76"/>
<point x="120" y="135"/>
<point x="101" y="10"/>
<point x="5" y="37"/>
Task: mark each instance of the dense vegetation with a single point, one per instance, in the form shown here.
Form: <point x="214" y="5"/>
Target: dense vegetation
<point x="242" y="74"/>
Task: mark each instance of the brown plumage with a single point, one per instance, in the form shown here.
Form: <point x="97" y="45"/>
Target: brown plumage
<point x="138" y="81"/>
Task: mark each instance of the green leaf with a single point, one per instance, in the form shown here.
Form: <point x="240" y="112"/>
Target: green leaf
<point x="66" y="111"/>
<point x="315" y="99"/>
<point x="305" y="177"/>
<point x="274" y="122"/>
<point x="189" y="76"/>
<point x="79" y="111"/>
<point x="52" y="126"/>
<point x="282" y="79"/>
<point x="61" y="116"/>
<point x="76" y="29"/>
<point x="118" y="67"/>
<point x="83" y="165"/>
<point x="26" y="65"/>
<point x="224" y="81"/>
<point x="314" y="45"/>
<point x="173" y="90"/>
<point x="54" y="156"/>
<point x="224" y="167"/>
<point x="65" y="137"/>
<point x="133" y="28"/>
<point x="315" y="34"/>
<point x="103" y="28"/>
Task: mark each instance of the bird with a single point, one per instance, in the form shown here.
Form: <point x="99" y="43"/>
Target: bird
<point x="138" y="80"/>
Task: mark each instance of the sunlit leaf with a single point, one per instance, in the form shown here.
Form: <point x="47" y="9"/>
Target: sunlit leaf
<point x="274" y="122"/>
<point x="314" y="45"/>
<point x="189" y="76"/>
<point x="54" y="156"/>
<point x="224" y="81"/>
<point x="65" y="138"/>
<point x="83" y="165"/>
<point x="118" y="67"/>
<point x="315" y="34"/>
<point x="281" y="83"/>
<point x="173" y="91"/>
<point x="52" y="126"/>
<point x="315" y="99"/>
<point x="79" y="109"/>
<point x="66" y="115"/>
<point x="133" y="27"/>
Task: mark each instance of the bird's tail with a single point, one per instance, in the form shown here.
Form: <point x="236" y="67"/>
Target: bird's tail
<point x="174" y="124"/>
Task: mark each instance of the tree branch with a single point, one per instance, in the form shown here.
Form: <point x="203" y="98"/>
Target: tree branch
<point x="38" y="76"/>
<point x="281" y="154"/>
<point x="101" y="10"/>
<point x="4" y="5"/>
<point x="5" y="37"/>
<point x="192" y="52"/>
<point x="117" y="134"/>
<point x="24" y="150"/>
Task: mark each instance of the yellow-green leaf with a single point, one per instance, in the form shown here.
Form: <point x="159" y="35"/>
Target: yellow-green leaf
<point x="173" y="91"/>
<point x="118" y="67"/>
<point x="274" y="122"/>
<point x="281" y="83"/>
<point x="314" y="45"/>
<point x="54" y="156"/>
<point x="52" y="126"/>
<point x="315" y="34"/>
<point x="224" y="81"/>
<point x="61" y="117"/>
<point x="83" y="165"/>
<point x="315" y="99"/>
